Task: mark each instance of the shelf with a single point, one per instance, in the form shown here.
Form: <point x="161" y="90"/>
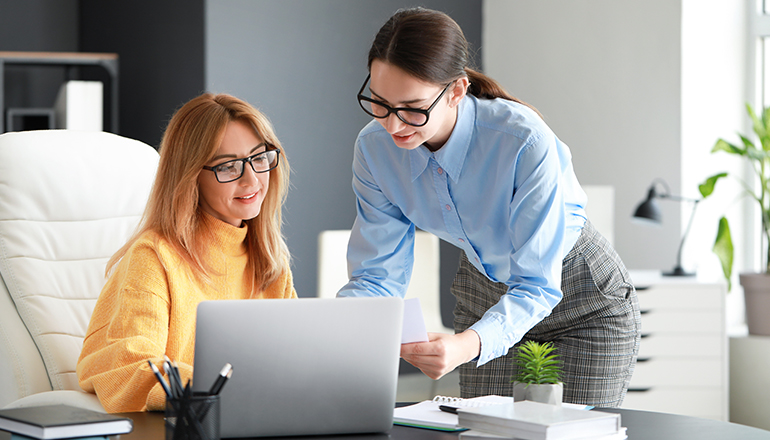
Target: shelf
<point x="107" y="61"/>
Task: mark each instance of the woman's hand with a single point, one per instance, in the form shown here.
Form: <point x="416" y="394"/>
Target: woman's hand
<point x="442" y="353"/>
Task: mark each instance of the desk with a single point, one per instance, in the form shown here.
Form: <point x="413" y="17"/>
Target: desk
<point x="642" y="425"/>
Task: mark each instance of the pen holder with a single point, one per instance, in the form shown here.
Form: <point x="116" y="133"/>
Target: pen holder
<point x="193" y="418"/>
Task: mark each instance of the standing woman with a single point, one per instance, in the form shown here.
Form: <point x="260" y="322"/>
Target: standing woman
<point x="211" y="230"/>
<point x="452" y="153"/>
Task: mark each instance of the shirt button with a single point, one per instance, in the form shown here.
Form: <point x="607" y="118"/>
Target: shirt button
<point x="477" y="259"/>
<point x="448" y="208"/>
<point x="440" y="171"/>
<point x="461" y="240"/>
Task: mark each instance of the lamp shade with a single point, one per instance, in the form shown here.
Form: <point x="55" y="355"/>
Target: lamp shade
<point x="649" y="209"/>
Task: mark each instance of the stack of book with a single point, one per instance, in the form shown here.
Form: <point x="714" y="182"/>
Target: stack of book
<point x="53" y="422"/>
<point x="527" y="420"/>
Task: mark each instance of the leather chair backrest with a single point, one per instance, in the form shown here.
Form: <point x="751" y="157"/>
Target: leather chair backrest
<point x="68" y="201"/>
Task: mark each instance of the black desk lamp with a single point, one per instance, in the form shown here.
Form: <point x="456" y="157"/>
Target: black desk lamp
<point x="649" y="210"/>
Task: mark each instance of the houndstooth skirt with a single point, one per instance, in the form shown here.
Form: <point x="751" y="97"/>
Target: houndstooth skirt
<point x="595" y="327"/>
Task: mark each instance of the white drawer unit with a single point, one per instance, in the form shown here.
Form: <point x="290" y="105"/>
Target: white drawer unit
<point x="683" y="363"/>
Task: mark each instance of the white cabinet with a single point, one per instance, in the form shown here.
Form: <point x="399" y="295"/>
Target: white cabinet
<point x="682" y="366"/>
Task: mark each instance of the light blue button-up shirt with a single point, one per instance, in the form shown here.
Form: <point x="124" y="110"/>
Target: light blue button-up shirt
<point x="502" y="189"/>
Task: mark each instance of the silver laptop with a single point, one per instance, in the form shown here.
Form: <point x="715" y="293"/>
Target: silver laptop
<point x="301" y="366"/>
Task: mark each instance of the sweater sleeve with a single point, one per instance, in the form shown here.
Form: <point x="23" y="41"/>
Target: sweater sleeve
<point x="129" y="325"/>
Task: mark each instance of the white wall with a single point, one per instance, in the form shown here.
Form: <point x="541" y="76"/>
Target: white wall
<point x="638" y="92"/>
<point x="716" y="82"/>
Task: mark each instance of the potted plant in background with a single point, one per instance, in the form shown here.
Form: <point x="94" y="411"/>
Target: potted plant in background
<point x="756" y="286"/>
<point x="538" y="377"/>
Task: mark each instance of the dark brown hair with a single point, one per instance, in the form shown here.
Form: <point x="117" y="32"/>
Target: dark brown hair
<point x="429" y="45"/>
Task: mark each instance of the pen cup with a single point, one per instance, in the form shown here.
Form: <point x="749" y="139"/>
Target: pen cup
<point x="193" y="418"/>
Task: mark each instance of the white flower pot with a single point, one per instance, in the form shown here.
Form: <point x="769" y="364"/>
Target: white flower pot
<point x="544" y="393"/>
<point x="756" y="292"/>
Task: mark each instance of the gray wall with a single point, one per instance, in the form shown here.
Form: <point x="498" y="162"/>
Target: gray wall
<point x="302" y="62"/>
<point x="607" y="77"/>
<point x="36" y="25"/>
<point x="160" y="45"/>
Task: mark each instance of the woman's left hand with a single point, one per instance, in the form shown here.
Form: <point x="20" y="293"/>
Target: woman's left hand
<point x="442" y="353"/>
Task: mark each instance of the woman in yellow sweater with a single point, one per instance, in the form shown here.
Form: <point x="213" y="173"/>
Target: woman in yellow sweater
<point x="211" y="230"/>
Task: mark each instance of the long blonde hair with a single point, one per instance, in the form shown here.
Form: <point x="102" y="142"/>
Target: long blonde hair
<point x="173" y="211"/>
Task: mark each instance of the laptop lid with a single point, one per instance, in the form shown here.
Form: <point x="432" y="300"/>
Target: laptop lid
<point x="301" y="366"/>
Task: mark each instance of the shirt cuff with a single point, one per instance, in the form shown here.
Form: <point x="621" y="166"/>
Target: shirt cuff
<point x="490" y="331"/>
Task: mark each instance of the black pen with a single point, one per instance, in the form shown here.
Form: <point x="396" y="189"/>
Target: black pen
<point x="173" y="381"/>
<point x="449" y="409"/>
<point x="160" y="379"/>
<point x="225" y="374"/>
<point x="175" y="369"/>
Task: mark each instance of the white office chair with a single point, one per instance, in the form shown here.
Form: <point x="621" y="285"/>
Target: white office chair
<point x="68" y="201"/>
<point x="601" y="209"/>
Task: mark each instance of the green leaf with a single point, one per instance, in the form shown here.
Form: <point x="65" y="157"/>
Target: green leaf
<point x="723" y="248"/>
<point x="766" y="122"/>
<point x="537" y="363"/>
<point x="759" y="128"/>
<point x="746" y="143"/>
<point x="757" y="155"/>
<point x="723" y="145"/>
<point x="707" y="187"/>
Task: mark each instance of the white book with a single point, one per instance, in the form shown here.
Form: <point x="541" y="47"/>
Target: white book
<point x="539" y="421"/>
<point x="472" y="434"/>
<point x="79" y="106"/>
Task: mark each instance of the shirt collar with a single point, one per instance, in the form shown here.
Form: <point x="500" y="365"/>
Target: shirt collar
<point x="450" y="157"/>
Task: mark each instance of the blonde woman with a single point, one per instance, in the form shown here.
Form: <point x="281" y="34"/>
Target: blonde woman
<point x="211" y="230"/>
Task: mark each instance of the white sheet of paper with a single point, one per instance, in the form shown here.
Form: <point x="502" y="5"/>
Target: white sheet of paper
<point x="414" y="324"/>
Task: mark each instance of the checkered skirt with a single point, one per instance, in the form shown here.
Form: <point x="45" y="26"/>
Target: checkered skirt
<point x="595" y="327"/>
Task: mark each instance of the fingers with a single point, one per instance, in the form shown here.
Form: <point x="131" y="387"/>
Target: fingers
<point x="432" y="358"/>
<point x="442" y="353"/>
<point x="433" y="371"/>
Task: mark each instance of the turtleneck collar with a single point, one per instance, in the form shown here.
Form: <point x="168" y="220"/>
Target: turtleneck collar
<point x="223" y="236"/>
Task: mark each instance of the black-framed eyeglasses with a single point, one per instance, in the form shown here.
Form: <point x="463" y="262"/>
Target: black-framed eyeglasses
<point x="415" y="117"/>
<point x="233" y="169"/>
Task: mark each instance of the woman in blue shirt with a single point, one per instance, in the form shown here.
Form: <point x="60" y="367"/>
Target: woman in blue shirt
<point x="452" y="153"/>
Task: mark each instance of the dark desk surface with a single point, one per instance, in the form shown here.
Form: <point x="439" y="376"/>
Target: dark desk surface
<point x="642" y="425"/>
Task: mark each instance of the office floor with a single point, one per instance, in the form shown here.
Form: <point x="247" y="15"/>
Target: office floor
<point x="416" y="387"/>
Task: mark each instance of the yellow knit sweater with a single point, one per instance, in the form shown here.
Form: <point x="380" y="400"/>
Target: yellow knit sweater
<point x="147" y="310"/>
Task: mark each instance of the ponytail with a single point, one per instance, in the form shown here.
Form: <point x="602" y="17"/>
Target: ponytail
<point x="484" y="87"/>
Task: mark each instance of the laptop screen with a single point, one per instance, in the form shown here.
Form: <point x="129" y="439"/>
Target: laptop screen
<point x="301" y="366"/>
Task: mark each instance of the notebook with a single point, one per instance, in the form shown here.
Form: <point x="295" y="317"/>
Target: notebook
<point x="61" y="421"/>
<point x="301" y="366"/>
<point x="429" y="415"/>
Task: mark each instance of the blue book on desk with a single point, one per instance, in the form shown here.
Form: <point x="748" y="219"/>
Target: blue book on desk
<point x="51" y="422"/>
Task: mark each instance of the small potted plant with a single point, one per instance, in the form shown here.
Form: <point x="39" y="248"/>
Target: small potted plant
<point x="538" y="374"/>
<point x="756" y="286"/>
